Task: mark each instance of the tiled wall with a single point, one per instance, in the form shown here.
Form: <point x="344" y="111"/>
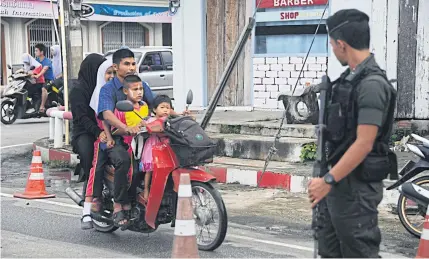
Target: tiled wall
<point x="272" y="76"/>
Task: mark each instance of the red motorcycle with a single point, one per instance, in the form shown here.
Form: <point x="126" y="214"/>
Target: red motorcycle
<point x="160" y="208"/>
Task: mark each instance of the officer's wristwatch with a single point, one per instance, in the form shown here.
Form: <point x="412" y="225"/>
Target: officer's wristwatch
<point x="329" y="179"/>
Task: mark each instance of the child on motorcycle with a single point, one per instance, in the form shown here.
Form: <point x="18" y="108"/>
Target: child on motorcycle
<point x="133" y="89"/>
<point x="162" y="108"/>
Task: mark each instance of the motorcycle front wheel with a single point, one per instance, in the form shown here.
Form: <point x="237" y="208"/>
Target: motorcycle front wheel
<point x="418" y="211"/>
<point x="8" y="112"/>
<point x="209" y="211"/>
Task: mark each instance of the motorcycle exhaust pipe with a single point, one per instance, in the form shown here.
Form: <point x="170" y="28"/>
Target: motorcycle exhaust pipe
<point x="74" y="196"/>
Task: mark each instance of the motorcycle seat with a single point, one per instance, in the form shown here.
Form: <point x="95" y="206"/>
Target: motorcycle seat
<point x="412" y="190"/>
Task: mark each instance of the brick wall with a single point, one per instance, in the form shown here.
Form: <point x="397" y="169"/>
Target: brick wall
<point x="272" y="76"/>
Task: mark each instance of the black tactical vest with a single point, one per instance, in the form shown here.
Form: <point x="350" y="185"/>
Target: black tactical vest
<point x="343" y="112"/>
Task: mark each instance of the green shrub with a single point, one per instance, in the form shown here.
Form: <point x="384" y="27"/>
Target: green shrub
<point x="308" y="152"/>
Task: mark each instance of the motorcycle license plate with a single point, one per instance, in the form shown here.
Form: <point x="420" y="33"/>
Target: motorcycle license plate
<point x="406" y="167"/>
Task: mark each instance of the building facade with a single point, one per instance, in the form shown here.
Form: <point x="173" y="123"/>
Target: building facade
<point x="106" y="25"/>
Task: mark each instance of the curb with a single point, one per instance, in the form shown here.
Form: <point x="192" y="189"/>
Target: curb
<point x="227" y="174"/>
<point x="53" y="154"/>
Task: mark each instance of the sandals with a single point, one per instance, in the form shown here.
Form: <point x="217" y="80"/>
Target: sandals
<point x="122" y="215"/>
<point x="85" y="225"/>
<point x="96" y="210"/>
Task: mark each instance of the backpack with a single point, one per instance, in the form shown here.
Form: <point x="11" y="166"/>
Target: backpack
<point x="189" y="141"/>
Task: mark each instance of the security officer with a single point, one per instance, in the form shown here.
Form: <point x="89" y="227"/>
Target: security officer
<point x="359" y="125"/>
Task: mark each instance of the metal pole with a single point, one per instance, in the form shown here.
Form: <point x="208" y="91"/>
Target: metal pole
<point x="51" y="128"/>
<point x="63" y="20"/>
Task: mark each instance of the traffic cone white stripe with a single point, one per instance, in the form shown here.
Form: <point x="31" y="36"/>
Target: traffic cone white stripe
<point x="185" y="228"/>
<point x="425" y="234"/>
<point x="36" y="176"/>
<point x="36" y="160"/>
<point x="185" y="191"/>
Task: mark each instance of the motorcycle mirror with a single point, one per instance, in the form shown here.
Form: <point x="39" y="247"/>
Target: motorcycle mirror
<point x="32" y="67"/>
<point x="125" y="106"/>
<point x="190" y="97"/>
<point x="8" y="66"/>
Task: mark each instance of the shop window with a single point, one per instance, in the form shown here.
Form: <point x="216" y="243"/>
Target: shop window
<point x="118" y="34"/>
<point x="290" y="39"/>
<point x="41" y="31"/>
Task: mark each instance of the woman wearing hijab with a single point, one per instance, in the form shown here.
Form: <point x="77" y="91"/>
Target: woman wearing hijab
<point x="57" y="70"/>
<point x="85" y="129"/>
<point x="34" y="90"/>
<point x="94" y="188"/>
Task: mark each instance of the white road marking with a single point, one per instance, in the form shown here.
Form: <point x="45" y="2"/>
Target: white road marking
<point x="17" y="145"/>
<point x="304" y="248"/>
<point x="262" y="241"/>
<point x="47" y="202"/>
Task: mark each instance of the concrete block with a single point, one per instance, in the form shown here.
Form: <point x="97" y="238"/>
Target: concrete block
<point x="271" y="104"/>
<point x="276" y="67"/>
<point x="259" y="102"/>
<point x="270" y="60"/>
<point x="285" y="74"/>
<point x="321" y="60"/>
<point x="259" y="88"/>
<point x="272" y="88"/>
<point x="283" y="60"/>
<point x="288" y="67"/>
<point x="257" y="81"/>
<point x="274" y="95"/>
<point x="298" y="67"/>
<point x="296" y="60"/>
<point x="259" y="61"/>
<point x="311" y="60"/>
<point x="285" y="88"/>
<point x="280" y="81"/>
<point x="264" y="67"/>
<point x="268" y="81"/>
<point x="295" y="74"/>
<point x="315" y="67"/>
<point x="261" y="94"/>
<point x="320" y="74"/>
<point x="271" y="74"/>
<point x="259" y="74"/>
<point x="310" y="74"/>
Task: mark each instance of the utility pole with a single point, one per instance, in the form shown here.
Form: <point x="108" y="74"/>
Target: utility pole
<point x="71" y="42"/>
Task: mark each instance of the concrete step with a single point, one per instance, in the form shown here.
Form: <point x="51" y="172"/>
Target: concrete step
<point x="263" y="128"/>
<point x="257" y="147"/>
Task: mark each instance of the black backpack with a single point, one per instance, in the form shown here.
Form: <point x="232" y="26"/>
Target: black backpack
<point x="189" y="141"/>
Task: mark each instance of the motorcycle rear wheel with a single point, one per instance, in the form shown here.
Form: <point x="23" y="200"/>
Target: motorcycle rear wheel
<point x="401" y="207"/>
<point x="104" y="227"/>
<point x="223" y="218"/>
<point x="3" y="109"/>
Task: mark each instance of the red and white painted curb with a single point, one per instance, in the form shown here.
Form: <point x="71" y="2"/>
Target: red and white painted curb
<point x="51" y="154"/>
<point x="255" y="178"/>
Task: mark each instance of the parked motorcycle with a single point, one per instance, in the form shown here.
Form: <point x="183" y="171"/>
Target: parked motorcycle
<point x="413" y="193"/>
<point x="16" y="104"/>
<point x="160" y="208"/>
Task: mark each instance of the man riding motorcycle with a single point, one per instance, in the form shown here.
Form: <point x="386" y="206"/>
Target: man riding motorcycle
<point x="124" y="64"/>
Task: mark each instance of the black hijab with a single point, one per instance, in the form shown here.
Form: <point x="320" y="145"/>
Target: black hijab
<point x="88" y="72"/>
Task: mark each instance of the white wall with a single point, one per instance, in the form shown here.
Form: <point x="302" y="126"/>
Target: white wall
<point x="158" y="34"/>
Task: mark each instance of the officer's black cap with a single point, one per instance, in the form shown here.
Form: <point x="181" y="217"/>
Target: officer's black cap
<point x="343" y="17"/>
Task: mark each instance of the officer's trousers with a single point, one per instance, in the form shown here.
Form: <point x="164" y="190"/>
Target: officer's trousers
<point x="349" y="220"/>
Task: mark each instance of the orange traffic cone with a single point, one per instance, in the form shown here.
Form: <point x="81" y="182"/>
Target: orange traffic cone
<point x="35" y="188"/>
<point x="423" y="251"/>
<point x="185" y="242"/>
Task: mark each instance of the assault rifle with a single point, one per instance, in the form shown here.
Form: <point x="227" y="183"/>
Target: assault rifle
<point x="320" y="167"/>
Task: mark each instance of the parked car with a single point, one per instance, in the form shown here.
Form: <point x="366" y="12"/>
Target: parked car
<point x="155" y="66"/>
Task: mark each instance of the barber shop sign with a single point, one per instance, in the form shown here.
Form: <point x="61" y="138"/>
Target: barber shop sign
<point x="289" y="3"/>
<point x="279" y="16"/>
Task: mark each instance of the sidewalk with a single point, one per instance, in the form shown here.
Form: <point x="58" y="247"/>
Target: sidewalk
<point x="292" y="177"/>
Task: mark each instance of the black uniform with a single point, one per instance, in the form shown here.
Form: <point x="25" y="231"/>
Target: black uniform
<point x="348" y="215"/>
